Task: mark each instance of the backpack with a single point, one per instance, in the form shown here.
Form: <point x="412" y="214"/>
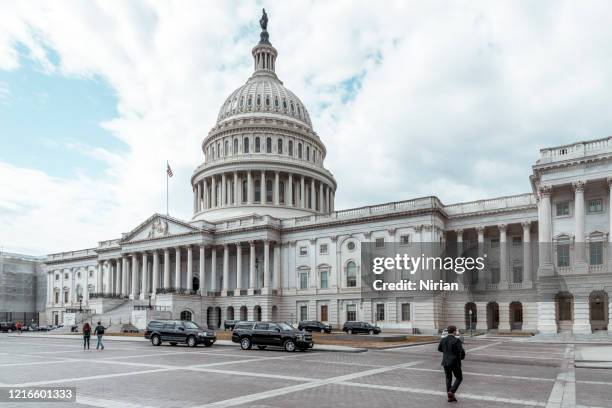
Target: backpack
<point x="100" y="329"/>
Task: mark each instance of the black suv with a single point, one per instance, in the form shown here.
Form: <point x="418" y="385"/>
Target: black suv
<point x="360" y="327"/>
<point x="178" y="331"/>
<point x="264" y="334"/>
<point x="311" y="325"/>
<point x="229" y="324"/>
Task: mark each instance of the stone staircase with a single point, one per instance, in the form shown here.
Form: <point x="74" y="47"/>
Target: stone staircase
<point x="118" y="318"/>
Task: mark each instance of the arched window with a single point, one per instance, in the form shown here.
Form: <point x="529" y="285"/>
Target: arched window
<point x="269" y="145"/>
<point x="258" y="191"/>
<point x="267" y="101"/>
<point x="226" y="149"/>
<point x="284" y="104"/>
<point x="292" y="108"/>
<point x="245" y="145"/>
<point x="245" y="191"/>
<point x="276" y="103"/>
<point x="269" y="197"/>
<point x="218" y="150"/>
<point x="281" y="193"/>
<point x="258" y="100"/>
<point x="235" y="146"/>
<point x="351" y="274"/>
<point x="307" y="153"/>
<point x="290" y="148"/>
<point x="299" y="150"/>
<point x="257" y="145"/>
<point x="279" y="146"/>
<point x="299" y="111"/>
<point x="213" y="152"/>
<point x="186" y="315"/>
<point x="250" y="103"/>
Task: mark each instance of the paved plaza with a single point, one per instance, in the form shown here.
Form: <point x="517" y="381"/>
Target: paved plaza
<point x="497" y="373"/>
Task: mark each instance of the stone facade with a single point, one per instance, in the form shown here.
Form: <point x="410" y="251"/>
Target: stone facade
<point x="265" y="241"/>
<point x="23" y="284"/>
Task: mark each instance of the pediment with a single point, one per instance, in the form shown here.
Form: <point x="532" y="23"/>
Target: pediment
<point x="158" y="226"/>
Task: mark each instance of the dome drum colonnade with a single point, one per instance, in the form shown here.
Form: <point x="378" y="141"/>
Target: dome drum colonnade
<point x="262" y="156"/>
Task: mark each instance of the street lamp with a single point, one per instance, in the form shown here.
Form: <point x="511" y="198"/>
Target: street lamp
<point x="81" y="303"/>
<point x="150" y="307"/>
<point x="471" y="324"/>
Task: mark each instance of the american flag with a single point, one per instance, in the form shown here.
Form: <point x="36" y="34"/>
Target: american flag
<point x="168" y="170"/>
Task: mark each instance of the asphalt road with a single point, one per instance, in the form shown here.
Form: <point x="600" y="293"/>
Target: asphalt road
<point x="497" y="373"/>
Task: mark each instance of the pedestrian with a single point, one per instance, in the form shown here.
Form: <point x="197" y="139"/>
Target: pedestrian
<point x="18" y="327"/>
<point x="99" y="331"/>
<point x="452" y="354"/>
<point x="86" y="335"/>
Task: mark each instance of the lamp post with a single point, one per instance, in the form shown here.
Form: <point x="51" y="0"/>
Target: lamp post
<point x="150" y="307"/>
<point x="471" y="324"/>
<point x="81" y="303"/>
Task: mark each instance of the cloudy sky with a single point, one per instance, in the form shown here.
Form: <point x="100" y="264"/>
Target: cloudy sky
<point x="452" y="99"/>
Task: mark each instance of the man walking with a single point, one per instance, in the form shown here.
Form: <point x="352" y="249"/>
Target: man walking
<point x="99" y="331"/>
<point x="452" y="349"/>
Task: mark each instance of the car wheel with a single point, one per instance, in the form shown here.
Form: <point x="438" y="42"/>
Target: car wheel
<point x="370" y="332"/>
<point x="289" y="346"/>
<point x="156" y="341"/>
<point x="349" y="331"/>
<point x="191" y="341"/>
<point x="245" y="343"/>
<point x="173" y="343"/>
<point x="261" y="347"/>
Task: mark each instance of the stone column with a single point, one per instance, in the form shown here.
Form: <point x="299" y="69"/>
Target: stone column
<point x="145" y="276"/>
<point x="213" y="270"/>
<point x="202" y="259"/>
<point x="99" y="282"/>
<point x="109" y="273"/>
<point x="155" y="283"/>
<point x="119" y="277"/>
<point x="86" y="288"/>
<point x="504" y="315"/>
<point x="205" y="194"/>
<point x="125" y="275"/>
<point x="331" y="202"/>
<point x="177" y="269"/>
<point x="321" y="197"/>
<point x="266" y="264"/>
<point x="610" y="240"/>
<point x="249" y="188"/>
<point x="289" y="198"/>
<point x="225" y="269"/>
<point x="199" y="197"/>
<point x="276" y="188"/>
<point x="238" y="268"/>
<point x="481" y="274"/>
<point x="134" y="269"/>
<point x="213" y="192"/>
<point x="302" y="193"/>
<point x="189" y="269"/>
<point x="277" y="255"/>
<point x="313" y="195"/>
<point x="544" y="233"/>
<point x="503" y="257"/>
<point x="236" y="189"/>
<point x="50" y="283"/>
<point x="166" y="268"/>
<point x="580" y="265"/>
<point x="526" y="251"/>
<point x="252" y="282"/>
<point x="223" y="190"/>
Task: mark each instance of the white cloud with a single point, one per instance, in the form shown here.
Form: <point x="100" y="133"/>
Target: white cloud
<point x="454" y="99"/>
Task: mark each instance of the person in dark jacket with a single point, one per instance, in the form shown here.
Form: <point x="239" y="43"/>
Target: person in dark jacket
<point x="99" y="331"/>
<point x="452" y="354"/>
<point x="86" y="335"/>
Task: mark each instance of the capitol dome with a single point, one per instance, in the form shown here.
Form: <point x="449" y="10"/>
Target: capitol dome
<point x="262" y="157"/>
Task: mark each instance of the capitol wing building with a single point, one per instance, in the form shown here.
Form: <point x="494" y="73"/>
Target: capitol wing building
<point x="265" y="241"/>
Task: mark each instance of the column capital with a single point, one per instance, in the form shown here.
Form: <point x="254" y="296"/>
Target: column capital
<point x="252" y="243"/>
<point x="578" y="185"/>
<point x="544" y="191"/>
<point x="480" y="229"/>
<point x="334" y="238"/>
<point x="502" y="227"/>
<point x="459" y="231"/>
<point x="526" y="224"/>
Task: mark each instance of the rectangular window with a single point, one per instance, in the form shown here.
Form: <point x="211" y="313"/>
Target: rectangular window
<point x="562" y="209"/>
<point x="351" y="313"/>
<point x="56" y="277"/>
<point x="495" y="274"/>
<point x="380" y="312"/>
<point x="56" y="297"/>
<point x="324" y="279"/>
<point x="595" y="206"/>
<point x="405" y="312"/>
<point x="517" y="241"/>
<point x="380" y="242"/>
<point x="323" y="249"/>
<point x="66" y="297"/>
<point x="404" y="239"/>
<point x="494" y="243"/>
<point x="303" y="312"/>
<point x="303" y="250"/>
<point x="517" y="273"/>
<point x="563" y="256"/>
<point x="596" y="253"/>
<point x="304" y="280"/>
<point x="324" y="314"/>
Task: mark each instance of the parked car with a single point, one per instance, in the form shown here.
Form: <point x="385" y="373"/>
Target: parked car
<point x="276" y="334"/>
<point x="179" y="331"/>
<point x="312" y="325"/>
<point x="229" y="324"/>
<point x="360" y="327"/>
<point x="7" y="327"/>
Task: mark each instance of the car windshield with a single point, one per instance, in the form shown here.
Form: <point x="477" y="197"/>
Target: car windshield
<point x="190" y="325"/>
<point x="285" y="326"/>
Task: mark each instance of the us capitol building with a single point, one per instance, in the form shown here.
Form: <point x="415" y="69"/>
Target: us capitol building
<point x="265" y="241"/>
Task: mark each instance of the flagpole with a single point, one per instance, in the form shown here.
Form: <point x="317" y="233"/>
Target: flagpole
<point x="167" y="200"/>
